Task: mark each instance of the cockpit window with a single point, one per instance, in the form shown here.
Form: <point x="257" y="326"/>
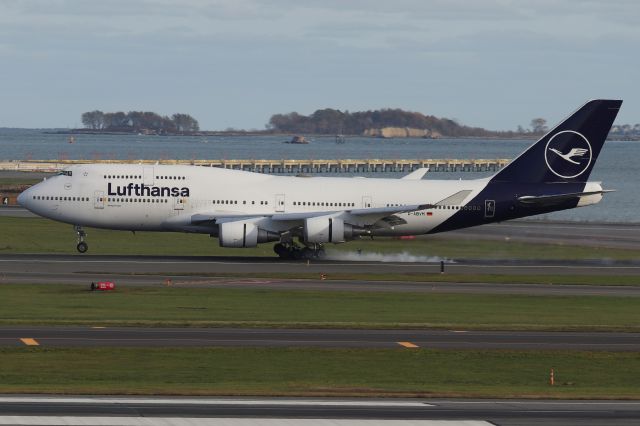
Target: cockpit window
<point x="66" y="173"/>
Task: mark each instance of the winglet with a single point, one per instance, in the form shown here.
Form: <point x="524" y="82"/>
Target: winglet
<point x="416" y="174"/>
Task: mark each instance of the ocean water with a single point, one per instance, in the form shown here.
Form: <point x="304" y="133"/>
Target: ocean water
<point x="616" y="167"/>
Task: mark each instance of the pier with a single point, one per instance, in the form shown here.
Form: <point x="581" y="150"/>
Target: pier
<point x="287" y="166"/>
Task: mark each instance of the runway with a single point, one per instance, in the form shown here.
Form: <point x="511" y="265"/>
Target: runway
<point x="219" y="272"/>
<point x="192" y="265"/>
<point x="312" y="412"/>
<point x="321" y="338"/>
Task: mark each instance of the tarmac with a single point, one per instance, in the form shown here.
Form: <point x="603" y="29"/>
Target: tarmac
<point x="125" y="411"/>
<point x="48" y="336"/>
<point x="232" y="273"/>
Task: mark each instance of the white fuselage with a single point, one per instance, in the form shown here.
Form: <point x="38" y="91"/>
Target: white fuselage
<point x="166" y="197"/>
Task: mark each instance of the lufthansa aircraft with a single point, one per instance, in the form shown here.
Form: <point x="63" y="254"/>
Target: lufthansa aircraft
<point x="301" y="214"/>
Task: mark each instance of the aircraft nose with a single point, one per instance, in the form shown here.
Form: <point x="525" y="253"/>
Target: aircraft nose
<point x="22" y="198"/>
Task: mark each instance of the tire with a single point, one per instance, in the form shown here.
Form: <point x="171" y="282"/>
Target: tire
<point x="82" y="247"/>
<point x="281" y="250"/>
<point x="296" y="254"/>
<point x="307" y="253"/>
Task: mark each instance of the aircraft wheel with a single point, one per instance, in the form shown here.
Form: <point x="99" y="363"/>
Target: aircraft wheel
<point x="296" y="254"/>
<point x="82" y="247"/>
<point x="307" y="253"/>
<point x="281" y="250"/>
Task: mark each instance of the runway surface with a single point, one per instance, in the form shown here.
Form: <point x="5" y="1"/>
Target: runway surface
<point x="193" y="265"/>
<point x="324" y="338"/>
<point x="218" y="272"/>
<point x="305" y="411"/>
<point x="586" y="234"/>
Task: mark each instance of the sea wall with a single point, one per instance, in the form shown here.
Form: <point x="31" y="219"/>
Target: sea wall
<point x="401" y="132"/>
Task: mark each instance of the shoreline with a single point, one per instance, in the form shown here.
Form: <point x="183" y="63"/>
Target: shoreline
<point x="256" y="133"/>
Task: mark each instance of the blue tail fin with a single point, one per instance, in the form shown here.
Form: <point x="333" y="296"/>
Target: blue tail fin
<point x="568" y="152"/>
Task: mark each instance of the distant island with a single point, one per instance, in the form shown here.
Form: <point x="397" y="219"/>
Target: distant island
<point x="383" y="123"/>
<point x="143" y="122"/>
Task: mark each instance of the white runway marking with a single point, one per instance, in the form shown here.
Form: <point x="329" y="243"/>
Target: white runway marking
<point x="190" y="421"/>
<point x="211" y="401"/>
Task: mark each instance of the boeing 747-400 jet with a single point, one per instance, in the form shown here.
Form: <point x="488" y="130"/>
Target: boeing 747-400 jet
<point x="301" y="214"/>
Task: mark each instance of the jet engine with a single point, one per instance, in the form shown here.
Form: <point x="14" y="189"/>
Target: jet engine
<point x="327" y="229"/>
<point x="241" y="234"/>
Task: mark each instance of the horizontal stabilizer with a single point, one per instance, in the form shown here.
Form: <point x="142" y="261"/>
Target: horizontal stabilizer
<point x="553" y="199"/>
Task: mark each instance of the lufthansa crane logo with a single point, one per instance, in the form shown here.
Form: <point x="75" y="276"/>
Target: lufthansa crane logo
<point x="568" y="154"/>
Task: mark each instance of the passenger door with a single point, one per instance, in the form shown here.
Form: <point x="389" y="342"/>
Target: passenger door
<point x="98" y="200"/>
<point x="280" y="202"/>
<point x="148" y="178"/>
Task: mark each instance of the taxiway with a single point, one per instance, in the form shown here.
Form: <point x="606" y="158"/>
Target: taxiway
<point x="326" y="338"/>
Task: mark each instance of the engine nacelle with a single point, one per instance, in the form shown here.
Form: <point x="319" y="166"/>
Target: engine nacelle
<point x="327" y="229"/>
<point x="241" y="234"/>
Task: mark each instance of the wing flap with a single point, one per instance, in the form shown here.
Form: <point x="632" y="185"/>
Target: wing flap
<point x="355" y="212"/>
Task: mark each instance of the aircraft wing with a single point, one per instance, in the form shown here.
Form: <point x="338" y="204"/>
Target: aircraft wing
<point x="372" y="213"/>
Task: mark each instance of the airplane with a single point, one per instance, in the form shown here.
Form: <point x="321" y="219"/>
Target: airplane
<point x="303" y="214"/>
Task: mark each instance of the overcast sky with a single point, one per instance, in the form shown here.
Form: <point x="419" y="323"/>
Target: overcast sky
<point x="234" y="63"/>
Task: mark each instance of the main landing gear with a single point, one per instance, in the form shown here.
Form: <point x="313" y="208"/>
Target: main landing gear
<point x="82" y="247"/>
<point x="292" y="251"/>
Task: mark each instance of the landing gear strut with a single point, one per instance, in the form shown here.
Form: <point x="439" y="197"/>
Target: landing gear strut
<point x="82" y="247"/>
<point x="292" y="251"/>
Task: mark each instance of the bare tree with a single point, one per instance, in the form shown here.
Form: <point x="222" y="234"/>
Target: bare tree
<point x="93" y="120"/>
<point x="185" y="123"/>
<point x="539" y="125"/>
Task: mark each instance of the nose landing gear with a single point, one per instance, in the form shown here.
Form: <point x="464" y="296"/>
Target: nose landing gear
<point x="82" y="247"/>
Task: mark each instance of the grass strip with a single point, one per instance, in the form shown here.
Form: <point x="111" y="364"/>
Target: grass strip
<point x="22" y="180"/>
<point x="171" y="306"/>
<point x="35" y="235"/>
<point x="319" y="372"/>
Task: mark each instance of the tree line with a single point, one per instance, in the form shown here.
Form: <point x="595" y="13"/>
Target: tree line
<point x="140" y="122"/>
<point x="333" y="121"/>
